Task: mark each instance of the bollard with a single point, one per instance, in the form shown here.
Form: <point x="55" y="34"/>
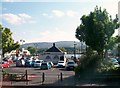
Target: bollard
<point x="58" y="76"/>
<point x="26" y="75"/>
<point x="43" y="77"/>
<point x="61" y="76"/>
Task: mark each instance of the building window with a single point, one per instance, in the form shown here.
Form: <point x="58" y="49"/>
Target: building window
<point x="62" y="58"/>
<point x="48" y="58"/>
<point x="56" y="58"/>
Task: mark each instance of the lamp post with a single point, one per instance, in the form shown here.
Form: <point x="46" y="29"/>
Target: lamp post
<point x="75" y="50"/>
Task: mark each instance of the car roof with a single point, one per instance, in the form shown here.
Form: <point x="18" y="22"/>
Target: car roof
<point x="70" y="61"/>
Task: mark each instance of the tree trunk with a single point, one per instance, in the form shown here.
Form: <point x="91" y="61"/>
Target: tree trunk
<point x="100" y="54"/>
<point x="106" y="54"/>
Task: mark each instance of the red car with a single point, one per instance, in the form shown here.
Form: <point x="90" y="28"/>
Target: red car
<point x="8" y="60"/>
<point x="4" y="64"/>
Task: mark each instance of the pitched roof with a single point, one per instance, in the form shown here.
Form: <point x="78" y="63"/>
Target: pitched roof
<point x="53" y="49"/>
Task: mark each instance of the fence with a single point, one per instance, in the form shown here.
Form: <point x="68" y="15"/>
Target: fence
<point x="34" y="79"/>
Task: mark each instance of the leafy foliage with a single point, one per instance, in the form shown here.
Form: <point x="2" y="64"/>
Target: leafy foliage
<point x="96" y="29"/>
<point x="7" y="41"/>
<point x="0" y="38"/>
<point x="31" y="49"/>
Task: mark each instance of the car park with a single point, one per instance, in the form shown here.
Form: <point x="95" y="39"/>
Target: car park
<point x="70" y="65"/>
<point x="45" y="65"/>
<point x="4" y="64"/>
<point x="61" y="64"/>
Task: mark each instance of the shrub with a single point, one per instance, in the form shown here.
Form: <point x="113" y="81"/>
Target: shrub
<point x="94" y="64"/>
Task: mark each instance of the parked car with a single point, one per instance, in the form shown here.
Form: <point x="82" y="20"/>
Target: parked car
<point x="4" y="64"/>
<point x="118" y="59"/>
<point x="45" y="65"/>
<point x="61" y="64"/>
<point x="70" y="65"/>
<point x="20" y="63"/>
<point x="38" y="63"/>
<point x="7" y="59"/>
<point x="51" y="63"/>
<point x="115" y="62"/>
<point x="29" y="63"/>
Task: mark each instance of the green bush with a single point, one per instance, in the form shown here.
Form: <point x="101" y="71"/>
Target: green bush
<point x="94" y="64"/>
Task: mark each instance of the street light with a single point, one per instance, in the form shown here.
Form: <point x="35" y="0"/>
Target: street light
<point x="75" y="50"/>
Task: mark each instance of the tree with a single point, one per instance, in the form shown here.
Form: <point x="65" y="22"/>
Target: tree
<point x="0" y="40"/>
<point x="7" y="41"/>
<point x="96" y="29"/>
<point x="63" y="49"/>
<point x="31" y="49"/>
<point x="118" y="44"/>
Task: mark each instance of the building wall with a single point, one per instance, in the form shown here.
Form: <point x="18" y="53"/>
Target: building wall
<point x="53" y="56"/>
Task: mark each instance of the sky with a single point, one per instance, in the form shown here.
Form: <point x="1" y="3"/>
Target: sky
<point x="49" y="20"/>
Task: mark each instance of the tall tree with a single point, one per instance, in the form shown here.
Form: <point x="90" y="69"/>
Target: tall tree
<point x="7" y="41"/>
<point x="96" y="29"/>
<point x="0" y="39"/>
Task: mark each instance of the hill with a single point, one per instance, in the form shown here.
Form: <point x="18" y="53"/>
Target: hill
<point x="49" y="44"/>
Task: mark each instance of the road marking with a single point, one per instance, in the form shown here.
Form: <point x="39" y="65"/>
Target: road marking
<point x="53" y="69"/>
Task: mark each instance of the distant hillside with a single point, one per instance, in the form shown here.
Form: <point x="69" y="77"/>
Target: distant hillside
<point x="49" y="44"/>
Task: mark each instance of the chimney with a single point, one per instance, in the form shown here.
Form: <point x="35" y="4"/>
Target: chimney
<point x="53" y="44"/>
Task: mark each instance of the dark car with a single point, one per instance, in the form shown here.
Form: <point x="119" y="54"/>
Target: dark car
<point x="45" y="65"/>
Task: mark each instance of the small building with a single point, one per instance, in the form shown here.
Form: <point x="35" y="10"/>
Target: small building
<point x="54" y="54"/>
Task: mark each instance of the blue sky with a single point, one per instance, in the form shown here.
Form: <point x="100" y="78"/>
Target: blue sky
<point x="38" y="21"/>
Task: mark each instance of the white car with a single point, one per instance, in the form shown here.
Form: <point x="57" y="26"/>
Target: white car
<point x="61" y="64"/>
<point x="70" y="65"/>
<point x="38" y="63"/>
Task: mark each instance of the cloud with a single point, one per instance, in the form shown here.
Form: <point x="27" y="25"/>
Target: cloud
<point x="17" y="19"/>
<point x="12" y="0"/>
<point x="58" y="13"/>
<point x="47" y="15"/>
<point x="56" y="35"/>
<point x="71" y="13"/>
<point x="7" y="0"/>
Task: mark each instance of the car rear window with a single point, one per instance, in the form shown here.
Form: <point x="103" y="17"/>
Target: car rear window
<point x="61" y="62"/>
<point x="37" y="61"/>
<point x="70" y="62"/>
<point x="44" y="64"/>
